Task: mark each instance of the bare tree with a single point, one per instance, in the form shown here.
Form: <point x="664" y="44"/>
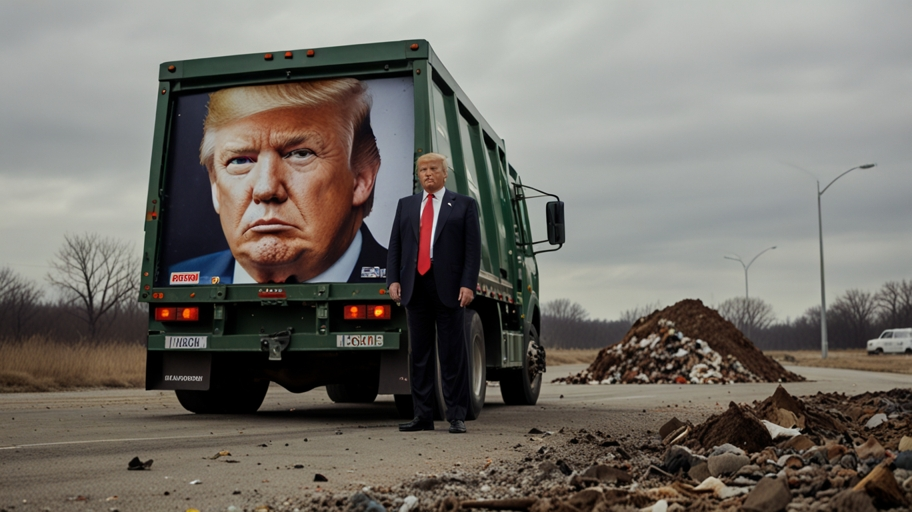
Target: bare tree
<point x="747" y="314"/>
<point x="630" y="316"/>
<point x="894" y="303"/>
<point x="96" y="274"/>
<point x="563" y="309"/>
<point x="19" y="301"/>
<point x="853" y="318"/>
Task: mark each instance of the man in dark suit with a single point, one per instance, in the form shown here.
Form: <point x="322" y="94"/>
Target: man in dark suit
<point x="432" y="268"/>
<point x="292" y="169"/>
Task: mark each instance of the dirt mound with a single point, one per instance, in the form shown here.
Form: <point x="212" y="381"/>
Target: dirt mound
<point x="684" y="343"/>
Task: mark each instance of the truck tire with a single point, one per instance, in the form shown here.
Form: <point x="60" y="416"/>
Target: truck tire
<point x="522" y="386"/>
<point x="478" y="384"/>
<point x="355" y="393"/>
<point x="237" y="399"/>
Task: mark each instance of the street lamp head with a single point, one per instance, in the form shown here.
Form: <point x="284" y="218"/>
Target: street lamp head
<point x="866" y="166"/>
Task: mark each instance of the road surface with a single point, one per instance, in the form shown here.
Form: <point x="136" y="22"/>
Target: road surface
<point x="69" y="451"/>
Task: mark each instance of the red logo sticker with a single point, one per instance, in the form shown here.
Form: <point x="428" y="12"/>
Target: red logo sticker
<point x="185" y="277"/>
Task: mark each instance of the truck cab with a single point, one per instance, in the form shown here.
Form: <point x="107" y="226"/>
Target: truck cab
<point x="226" y="317"/>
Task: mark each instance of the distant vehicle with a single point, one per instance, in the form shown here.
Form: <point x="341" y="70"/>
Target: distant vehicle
<point x="892" y="341"/>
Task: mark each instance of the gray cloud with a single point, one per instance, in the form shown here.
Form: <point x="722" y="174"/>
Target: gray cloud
<point x="667" y="128"/>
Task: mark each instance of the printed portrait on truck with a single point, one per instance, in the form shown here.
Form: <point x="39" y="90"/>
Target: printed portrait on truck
<point x="294" y="182"/>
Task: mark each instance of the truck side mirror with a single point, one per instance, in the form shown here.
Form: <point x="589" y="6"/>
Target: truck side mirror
<point x="555" y="213"/>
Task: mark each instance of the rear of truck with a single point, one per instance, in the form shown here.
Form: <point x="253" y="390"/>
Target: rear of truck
<point x="219" y="341"/>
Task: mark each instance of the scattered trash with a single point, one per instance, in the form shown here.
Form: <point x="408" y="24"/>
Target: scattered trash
<point x="196" y="482"/>
<point x="223" y="453"/>
<point x="137" y="465"/>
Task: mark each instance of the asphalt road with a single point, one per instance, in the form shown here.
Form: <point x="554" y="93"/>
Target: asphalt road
<point x="69" y="451"/>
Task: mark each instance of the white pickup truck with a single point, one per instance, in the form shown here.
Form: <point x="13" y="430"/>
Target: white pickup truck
<point x="896" y="341"/>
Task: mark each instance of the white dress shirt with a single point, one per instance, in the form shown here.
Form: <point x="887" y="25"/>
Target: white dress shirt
<point x="438" y="200"/>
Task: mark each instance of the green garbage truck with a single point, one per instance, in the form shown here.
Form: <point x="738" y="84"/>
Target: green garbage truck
<point x="273" y="185"/>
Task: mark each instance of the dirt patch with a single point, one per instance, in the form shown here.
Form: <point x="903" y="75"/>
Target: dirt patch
<point x="684" y="343"/>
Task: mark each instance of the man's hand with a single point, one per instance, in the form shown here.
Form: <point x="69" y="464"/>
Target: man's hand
<point x="465" y="295"/>
<point x="396" y="293"/>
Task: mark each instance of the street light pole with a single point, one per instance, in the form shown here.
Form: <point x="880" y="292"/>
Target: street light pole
<point x="824" y="345"/>
<point x="746" y="295"/>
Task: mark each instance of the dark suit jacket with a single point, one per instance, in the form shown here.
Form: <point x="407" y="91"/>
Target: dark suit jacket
<point x="457" y="246"/>
<point x="221" y="264"/>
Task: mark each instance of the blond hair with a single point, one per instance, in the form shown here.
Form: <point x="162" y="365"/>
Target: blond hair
<point x="432" y="157"/>
<point x="348" y="94"/>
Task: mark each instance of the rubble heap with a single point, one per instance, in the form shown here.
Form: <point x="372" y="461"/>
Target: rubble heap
<point x="684" y="343"/>
<point x="852" y="454"/>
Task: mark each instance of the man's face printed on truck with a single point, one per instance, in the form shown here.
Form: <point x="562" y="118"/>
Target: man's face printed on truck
<point x="285" y="191"/>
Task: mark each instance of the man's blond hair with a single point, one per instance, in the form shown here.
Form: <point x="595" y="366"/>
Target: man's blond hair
<point x="432" y="157"/>
<point x="348" y="94"/>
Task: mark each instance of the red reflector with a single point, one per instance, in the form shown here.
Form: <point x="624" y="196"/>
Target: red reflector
<point x="165" y="314"/>
<point x="381" y="312"/>
<point x="355" y="312"/>
<point x="271" y="293"/>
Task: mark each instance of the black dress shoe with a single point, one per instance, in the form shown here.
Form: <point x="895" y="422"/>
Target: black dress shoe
<point x="416" y="424"/>
<point x="457" y="427"/>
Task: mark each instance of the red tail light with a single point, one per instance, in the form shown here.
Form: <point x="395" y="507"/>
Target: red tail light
<point x="176" y="314"/>
<point x="370" y="312"/>
<point x="379" y="312"/>
<point x="355" y="312"/>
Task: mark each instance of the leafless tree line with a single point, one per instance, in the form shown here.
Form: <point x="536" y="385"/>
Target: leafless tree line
<point x="853" y="318"/>
<point x="97" y="279"/>
<point x="566" y="324"/>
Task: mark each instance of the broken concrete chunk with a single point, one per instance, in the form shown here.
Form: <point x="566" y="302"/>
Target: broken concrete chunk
<point x="881" y="485"/>
<point x="726" y="464"/>
<point x="876" y="420"/>
<point x="769" y="495"/>
<point x="871" y="449"/>
<point x="670" y="426"/>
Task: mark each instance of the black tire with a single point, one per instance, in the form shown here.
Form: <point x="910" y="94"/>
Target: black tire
<point x="237" y="399"/>
<point x="364" y="393"/>
<point x="908" y="351"/>
<point x="878" y="352"/>
<point x="477" y="366"/>
<point x="405" y="408"/>
<point x="522" y="386"/>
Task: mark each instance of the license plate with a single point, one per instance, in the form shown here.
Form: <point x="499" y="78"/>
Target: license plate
<point x="188" y="342"/>
<point x="359" y="340"/>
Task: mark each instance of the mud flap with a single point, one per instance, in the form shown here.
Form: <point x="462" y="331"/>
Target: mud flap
<point x="181" y="370"/>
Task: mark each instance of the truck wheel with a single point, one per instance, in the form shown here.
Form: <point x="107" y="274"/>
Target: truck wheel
<point x="238" y="399"/>
<point x="522" y="386"/>
<point x="476" y="363"/>
<point x="364" y="393"/>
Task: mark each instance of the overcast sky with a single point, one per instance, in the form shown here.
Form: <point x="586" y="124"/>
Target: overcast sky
<point x="676" y="132"/>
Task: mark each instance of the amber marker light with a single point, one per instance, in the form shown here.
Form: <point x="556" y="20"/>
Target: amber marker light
<point x="188" y="314"/>
<point x="288" y="55"/>
<point x="268" y="56"/>
<point x="355" y="312"/>
<point x="380" y="312"/>
<point x="311" y="53"/>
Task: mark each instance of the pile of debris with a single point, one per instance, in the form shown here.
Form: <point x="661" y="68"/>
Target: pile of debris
<point x="823" y="452"/>
<point x="687" y="343"/>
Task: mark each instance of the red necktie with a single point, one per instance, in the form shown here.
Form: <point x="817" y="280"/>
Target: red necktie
<point x="424" y="243"/>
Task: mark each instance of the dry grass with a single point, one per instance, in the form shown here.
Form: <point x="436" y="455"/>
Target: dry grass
<point x="559" y="356"/>
<point x="856" y="359"/>
<point x="40" y="364"/>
